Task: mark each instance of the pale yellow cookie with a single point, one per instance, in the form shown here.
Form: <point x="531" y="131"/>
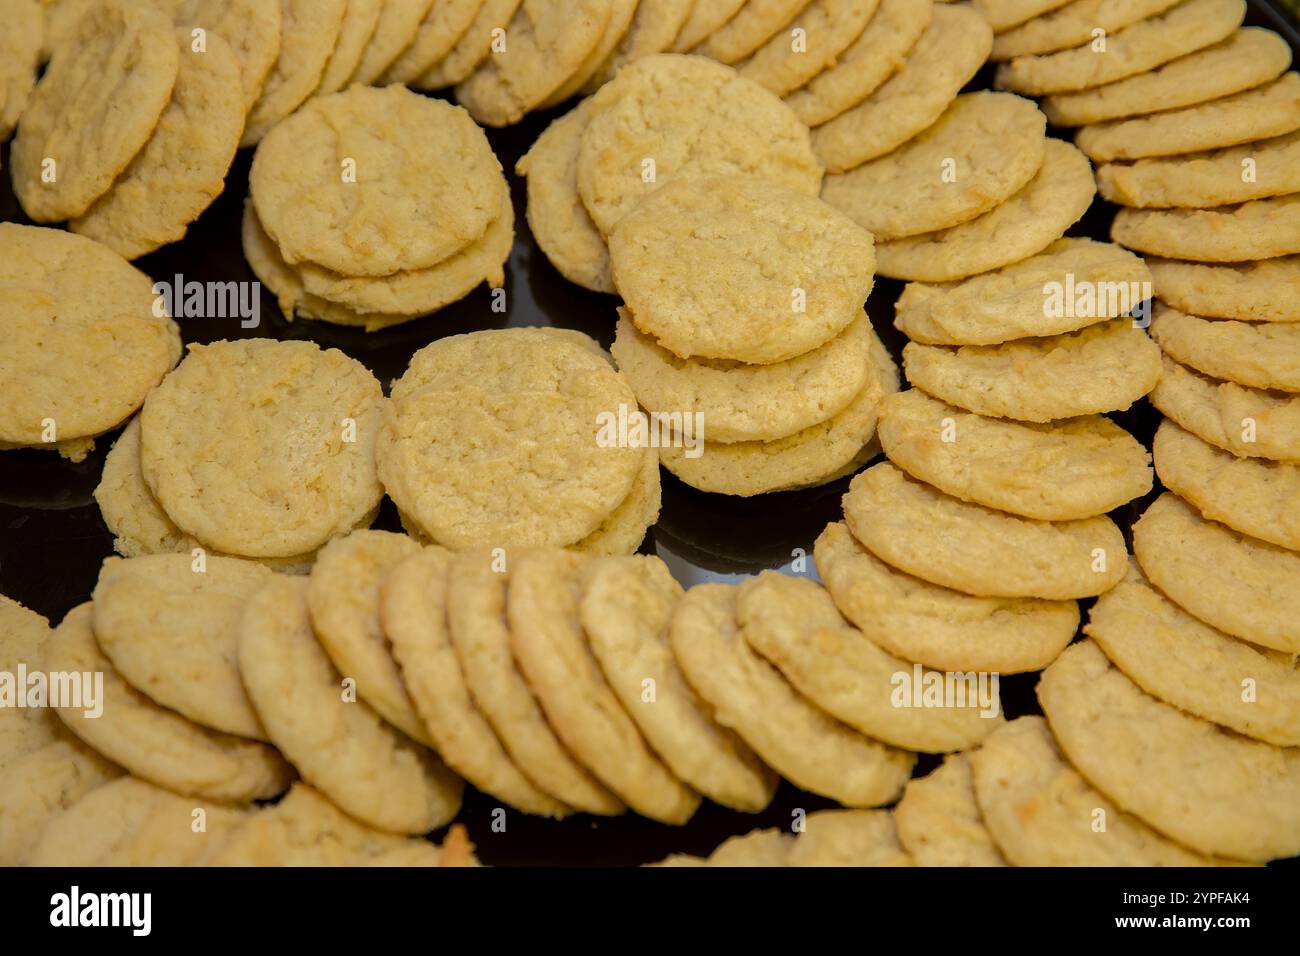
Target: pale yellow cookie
<point x="848" y="838"/>
<point x="1260" y="229"/>
<point x="310" y="29"/>
<point x="473" y="47"/>
<point x="653" y="29"/>
<point x="1002" y="15"/>
<point x="939" y="822"/>
<point x="24" y="635"/>
<point x="616" y="27"/>
<point x="20" y="55"/>
<point x="1262" y="355"/>
<point x="1264" y="291"/>
<point x="355" y="33"/>
<point x="38" y="786"/>
<point x="749" y="29"/>
<point x="623" y="531"/>
<point x="252" y="28"/>
<point x="442" y="25"/>
<point x="1072" y="24"/>
<point x="705" y="19"/>
<point x="788" y="59"/>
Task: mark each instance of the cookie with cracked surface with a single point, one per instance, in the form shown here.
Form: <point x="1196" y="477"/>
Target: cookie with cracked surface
<point x="1259" y="229"/>
<point x="1072" y="25"/>
<point x="473" y="47"/>
<point x="1263" y="291"/>
<point x="620" y="21"/>
<point x="309" y="30"/>
<point x="437" y="32"/>
<point x="829" y="26"/>
<point x="38" y="786"/>
<point x="753" y="24"/>
<point x="1259" y="354"/>
<point x="1025" y="224"/>
<point x="250" y="27"/>
<point x="656" y="24"/>
<point x="939" y="823"/>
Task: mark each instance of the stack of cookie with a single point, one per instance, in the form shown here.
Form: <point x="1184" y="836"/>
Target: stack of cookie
<point x="374" y="206"/>
<point x="824" y="838"/>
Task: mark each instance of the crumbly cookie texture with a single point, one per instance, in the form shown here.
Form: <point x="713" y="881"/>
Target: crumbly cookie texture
<point x="473" y="47"/>
<point x="945" y="58"/>
<point x="252" y="28"/>
<point x="83" y="344"/>
<point x="219" y="467"/>
<point x="848" y="838"/>
<point x="669" y="117"/>
<point x="936" y="626"/>
<point x="939" y="822"/>
<point x="1209" y="788"/>
<point x="1260" y="229"/>
<point x="37" y="787"/>
<point x="1026" y="224"/>
<point x="1258" y="354"/>
<point x="686" y="262"/>
<point x="829" y="27"/>
<point x="797" y="739"/>
<point x="1077" y="468"/>
<point x="1072" y="25"/>
<point x="20" y="56"/>
<point x="309" y="31"/>
<point x="992" y="143"/>
<point x="749" y="29"/>
<point x="1263" y="291"/>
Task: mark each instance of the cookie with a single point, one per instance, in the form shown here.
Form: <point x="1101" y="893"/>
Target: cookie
<point x="235" y="407"/>
<point x="152" y="742"/>
<point x="477" y="585"/>
<point x="1264" y="291"/>
<point x="501" y="445"/>
<point x="1010" y="303"/>
<point x="620" y="21"/>
<point x="1041" y="812"/>
<point x="1249" y="422"/>
<point x="747" y="402"/>
<point x="1077" y="468"/>
<point x="1143" y="46"/>
<point x="876" y="55"/>
<point x="1261" y="355"/>
<point x="939" y="822"/>
<point x="797" y="739"/>
<point x="623" y="531"/>
<point x="944" y="59"/>
<point x="1248" y="58"/>
<point x="848" y="838"/>
<point x="691" y="118"/>
<point x="119" y="53"/>
<point x="1254" y="496"/>
<point x="688" y="284"/>
<point x="757" y="848"/>
<point x="707" y="16"/>
<point x="355" y="33"/>
<point x="794" y="625"/>
<point x="172" y="632"/>
<point x="828" y="26"/>
<point x="343" y="598"/>
<point x="556" y="215"/>
<point x="20" y="54"/>
<point x="363" y="228"/>
<point x="626" y="606"/>
<point x="250" y="27"/>
<point x="339" y="745"/>
<point x="932" y="625"/>
<point x="982" y="150"/>
<point x="749" y="29"/>
<point x="549" y="645"/>
<point x="473" y="47"/>
<point x="1102" y="368"/>
<point x="410" y="55"/>
<point x="70" y="297"/>
<point x="653" y="29"/>
<point x="1178" y="659"/>
<point x="182" y="168"/>
<point x="38" y="786"/>
<point x="1200" y="180"/>
<point x="1212" y="790"/>
<point x="1026" y="223"/>
<point x="547" y="42"/>
<point x="1072" y="25"/>
<point x="1242" y="586"/>
<point x="310" y="30"/>
<point x="1257" y="114"/>
<point x="1002" y="15"/>
<point x="23" y="639"/>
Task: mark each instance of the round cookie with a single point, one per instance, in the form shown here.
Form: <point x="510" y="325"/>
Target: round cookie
<point x="1186" y="28"/>
<point x="1102" y="368"/>
<point x="450" y="179"/>
<point x="548" y="42"/>
<point x="93" y="109"/>
<point x="473" y="47"/>
<point x="309" y="29"/>
<point x="343" y="598"/>
<point x="1061" y="471"/>
<point x="442" y="24"/>
<point x="1009" y="304"/>
<point x="620" y="21"/>
<point x="183" y="166"/>
<point x="625" y="610"/>
<point x="1206" y="179"/>
<point x="1248" y="58"/>
<point x="747" y="402"/>
<point x="340" y="746"/>
<point x="82" y="343"/>
<point x="1241" y="586"/>
<point x="1002" y="15"/>
<point x="250" y="27"/>
<point x="1176" y="658"/>
<point x="749" y="29"/>
<point x="38" y="786"/>
<point x="413" y="609"/>
<point x="625" y="529"/>
<point x="1040" y="811"/>
<point x="556" y="215"/>
<point x="757" y="848"/>
<point x="1263" y="291"/>
<point x="551" y="650"/>
<point x="24" y="635"/>
<point x="707" y="16"/>
<point x="800" y="741"/>
<point x="1248" y="422"/>
<point x="1261" y="355"/>
<point x="944" y="59"/>
<point x="655" y="26"/>
<point x="1254" y="496"/>
<point x="1027" y="223"/>
<point x="1210" y="789"/>
<point x="477" y="583"/>
<point x="685" y="261"/>
<point x="214" y="435"/>
<point x="692" y="118"/>
<point x="1257" y="114"/>
<point x="992" y="142"/>
<point x="172" y="632"/>
<point x="1072" y="25"/>
<point x="1260" y="229"/>
<point x="932" y="625"/>
<point x="793" y="624"/>
<point x="355" y="33"/>
<point x="20" y="57"/>
<point x="155" y="743"/>
<point x="848" y="838"/>
<point x="939" y="822"/>
<point x="829" y="26"/>
<point x="501" y="445"/>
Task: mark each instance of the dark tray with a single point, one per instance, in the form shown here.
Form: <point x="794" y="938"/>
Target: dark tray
<point x="52" y="539"/>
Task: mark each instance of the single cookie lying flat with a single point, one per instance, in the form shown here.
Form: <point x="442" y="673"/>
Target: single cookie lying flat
<point x="1261" y="355"/>
<point x="1264" y="291"/>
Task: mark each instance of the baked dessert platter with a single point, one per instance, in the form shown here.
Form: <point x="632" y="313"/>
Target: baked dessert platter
<point x="406" y="574"/>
